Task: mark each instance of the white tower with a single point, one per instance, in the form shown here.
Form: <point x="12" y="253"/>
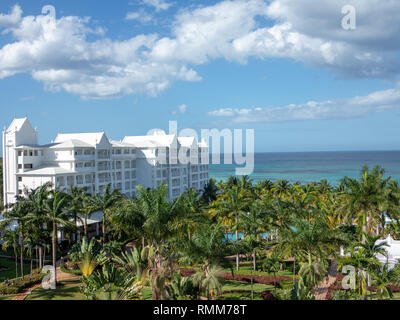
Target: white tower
<point x="20" y="132"/>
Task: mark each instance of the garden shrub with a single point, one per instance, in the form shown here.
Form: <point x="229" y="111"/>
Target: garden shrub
<point x="21" y="284"/>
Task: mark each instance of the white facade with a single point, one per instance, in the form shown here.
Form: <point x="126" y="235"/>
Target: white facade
<point x="92" y="160"/>
<point x="392" y="249"/>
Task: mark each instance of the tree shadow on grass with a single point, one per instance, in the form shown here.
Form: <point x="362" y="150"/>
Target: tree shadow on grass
<point x="68" y="290"/>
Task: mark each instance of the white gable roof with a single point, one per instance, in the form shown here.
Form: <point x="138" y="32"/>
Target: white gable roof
<point x="90" y="138"/>
<point x="17" y="124"/>
<point x="119" y="144"/>
<point x="155" y="140"/>
<point x="71" y="144"/>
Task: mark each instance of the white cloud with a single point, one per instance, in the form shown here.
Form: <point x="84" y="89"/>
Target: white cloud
<point x="378" y="101"/>
<point x="60" y="54"/>
<point x="181" y="109"/>
<point x="140" y="15"/>
<point x="8" y="20"/>
<point x="159" y="5"/>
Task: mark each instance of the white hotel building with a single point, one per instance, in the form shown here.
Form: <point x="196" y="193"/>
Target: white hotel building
<point x="92" y="160"/>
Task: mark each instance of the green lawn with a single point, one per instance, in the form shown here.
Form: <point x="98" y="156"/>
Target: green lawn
<point x="10" y="273"/>
<point x="236" y="285"/>
<point x="68" y="290"/>
<point x="6" y="297"/>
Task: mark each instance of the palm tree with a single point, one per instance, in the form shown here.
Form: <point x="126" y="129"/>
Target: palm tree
<point x="105" y="203"/>
<point x="272" y="264"/>
<point x="384" y="278"/>
<point x="77" y="205"/>
<point x="11" y="240"/>
<point x="364" y="257"/>
<point x="367" y="198"/>
<point x="210" y="192"/>
<point x="311" y="243"/>
<point x="158" y="214"/>
<point x="281" y="189"/>
<point x="253" y="226"/>
<point x="56" y="214"/>
<point x="210" y="280"/>
<point x="189" y="213"/>
<point x="19" y="214"/>
<point x="233" y="203"/>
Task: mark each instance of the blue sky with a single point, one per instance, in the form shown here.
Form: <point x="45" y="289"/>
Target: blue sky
<point x="285" y="68"/>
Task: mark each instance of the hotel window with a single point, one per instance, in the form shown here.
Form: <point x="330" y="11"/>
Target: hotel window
<point x="19" y="179"/>
<point x="127" y="164"/>
<point x="119" y="176"/>
<point x="25" y="153"/>
<point x="19" y="153"/>
<point x="126" y="151"/>
<point x="20" y="166"/>
<point x="28" y="166"/>
<point x="133" y="164"/>
<point x="36" y="153"/>
<point x="79" y="179"/>
<point x="127" y="175"/>
<point x="70" y="180"/>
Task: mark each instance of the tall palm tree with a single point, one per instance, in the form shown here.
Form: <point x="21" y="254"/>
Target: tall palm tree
<point x="363" y="256"/>
<point x="281" y="189"/>
<point x="11" y="240"/>
<point x="19" y="214"/>
<point x="210" y="192"/>
<point x="272" y="264"/>
<point x="77" y="204"/>
<point x="190" y="213"/>
<point x="253" y="226"/>
<point x="158" y="214"/>
<point x="207" y="247"/>
<point x="234" y="202"/>
<point x="367" y="198"/>
<point x="105" y="203"/>
<point x="56" y="214"/>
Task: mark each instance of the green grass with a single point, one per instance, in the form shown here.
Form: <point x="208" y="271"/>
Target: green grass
<point x="239" y="296"/>
<point x="147" y="293"/>
<point x="10" y="273"/>
<point x="236" y="285"/>
<point x="6" y="297"/>
<point x="68" y="290"/>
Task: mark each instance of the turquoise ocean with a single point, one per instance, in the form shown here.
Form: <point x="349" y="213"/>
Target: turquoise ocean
<point x="305" y="167"/>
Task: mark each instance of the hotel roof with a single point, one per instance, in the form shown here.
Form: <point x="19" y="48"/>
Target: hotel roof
<point x="90" y="138"/>
<point x="17" y="124"/>
<point x="47" y="171"/>
<point x="158" y="139"/>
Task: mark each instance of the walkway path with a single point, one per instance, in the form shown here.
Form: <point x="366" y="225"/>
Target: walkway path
<point x="321" y="291"/>
<point x="61" y="276"/>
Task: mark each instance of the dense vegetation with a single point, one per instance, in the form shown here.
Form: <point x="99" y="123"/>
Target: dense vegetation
<point x="183" y="248"/>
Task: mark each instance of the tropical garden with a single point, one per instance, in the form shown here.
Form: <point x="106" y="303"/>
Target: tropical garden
<point x="233" y="240"/>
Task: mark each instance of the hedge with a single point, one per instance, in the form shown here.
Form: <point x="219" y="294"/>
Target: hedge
<point x="65" y="268"/>
<point x="21" y="284"/>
